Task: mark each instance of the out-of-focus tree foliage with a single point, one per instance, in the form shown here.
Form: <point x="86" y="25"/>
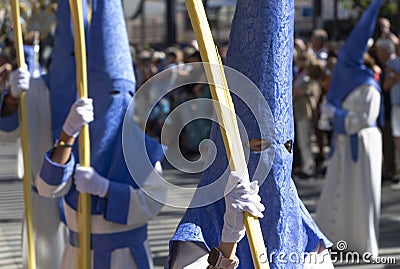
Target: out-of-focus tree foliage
<point x="36" y="15"/>
<point x="389" y="8"/>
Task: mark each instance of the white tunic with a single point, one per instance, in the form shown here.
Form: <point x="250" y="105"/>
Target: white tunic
<point x="349" y="205"/>
<point x="50" y="234"/>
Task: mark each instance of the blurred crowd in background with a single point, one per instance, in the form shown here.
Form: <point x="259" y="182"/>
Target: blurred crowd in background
<point x="314" y="58"/>
<point x="313" y="62"/>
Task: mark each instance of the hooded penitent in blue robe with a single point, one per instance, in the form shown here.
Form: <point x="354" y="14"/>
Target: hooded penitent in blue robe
<point x="351" y="72"/>
<point x="349" y="205"/>
<point x="111" y="85"/>
<point x="260" y="47"/>
<point x="10" y="123"/>
<point x="61" y="77"/>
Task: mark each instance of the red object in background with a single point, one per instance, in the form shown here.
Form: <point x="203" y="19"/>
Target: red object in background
<point x="377" y="76"/>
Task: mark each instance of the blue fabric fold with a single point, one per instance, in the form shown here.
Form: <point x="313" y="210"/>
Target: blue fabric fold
<point x="339" y="121"/>
<point x="103" y="245"/>
<point x="118" y="203"/>
<point x="354" y="147"/>
<point x="9" y="123"/>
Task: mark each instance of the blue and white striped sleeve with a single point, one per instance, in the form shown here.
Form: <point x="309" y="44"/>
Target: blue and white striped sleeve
<point x="54" y="176"/>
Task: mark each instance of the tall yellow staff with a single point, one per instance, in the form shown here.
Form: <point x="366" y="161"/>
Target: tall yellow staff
<point x="84" y="145"/>
<point x="227" y="118"/>
<point x="24" y="130"/>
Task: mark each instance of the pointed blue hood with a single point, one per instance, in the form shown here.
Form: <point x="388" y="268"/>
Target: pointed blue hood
<point x="350" y="71"/>
<point x="109" y="62"/>
<point x="61" y="78"/>
<point x="111" y="84"/>
<point x="261" y="48"/>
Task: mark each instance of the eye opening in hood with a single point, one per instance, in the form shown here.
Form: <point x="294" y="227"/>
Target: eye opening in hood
<point x="258" y="144"/>
<point x="114" y="92"/>
<point x="289" y="145"/>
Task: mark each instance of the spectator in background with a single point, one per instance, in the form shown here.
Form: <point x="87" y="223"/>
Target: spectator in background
<point x="317" y="41"/>
<point x="145" y="68"/>
<point x="386" y="52"/>
<point x="166" y="78"/>
<point x="333" y="47"/>
<point x="330" y="64"/>
<point x="158" y="59"/>
<point x="386" y="33"/>
<point x="369" y="62"/>
<point x="306" y="93"/>
<point x="300" y="60"/>
<point x="299" y="47"/>
<point x="324" y="128"/>
<point x="391" y="84"/>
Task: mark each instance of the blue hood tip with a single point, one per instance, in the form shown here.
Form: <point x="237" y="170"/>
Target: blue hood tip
<point x="355" y="45"/>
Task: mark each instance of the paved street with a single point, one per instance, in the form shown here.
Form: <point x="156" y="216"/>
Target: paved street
<point x="162" y="227"/>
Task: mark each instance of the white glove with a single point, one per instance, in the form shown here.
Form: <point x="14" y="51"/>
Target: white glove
<point x="87" y="180"/>
<point x="328" y="110"/>
<point x="81" y="113"/>
<point x="240" y="196"/>
<point x="19" y="80"/>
